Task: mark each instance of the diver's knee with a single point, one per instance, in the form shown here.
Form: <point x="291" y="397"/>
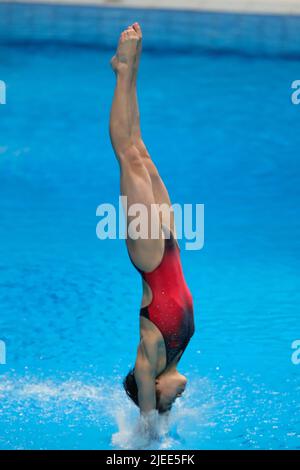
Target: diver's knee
<point x="131" y="158"/>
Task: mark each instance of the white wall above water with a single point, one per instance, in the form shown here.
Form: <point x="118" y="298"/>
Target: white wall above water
<point x="249" y="6"/>
<point x="166" y="29"/>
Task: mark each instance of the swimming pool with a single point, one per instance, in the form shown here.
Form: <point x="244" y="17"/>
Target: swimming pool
<point x="219" y="122"/>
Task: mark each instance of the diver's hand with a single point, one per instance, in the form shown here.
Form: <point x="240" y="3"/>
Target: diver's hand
<point x="149" y="425"/>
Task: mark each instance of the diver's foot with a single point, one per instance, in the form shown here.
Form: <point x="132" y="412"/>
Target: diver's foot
<point x="123" y="62"/>
<point x="138" y="31"/>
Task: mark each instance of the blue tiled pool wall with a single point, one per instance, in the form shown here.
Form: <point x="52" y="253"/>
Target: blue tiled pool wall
<point x="176" y="30"/>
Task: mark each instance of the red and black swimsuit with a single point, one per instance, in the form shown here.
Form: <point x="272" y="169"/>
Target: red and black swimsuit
<point x="171" y="308"/>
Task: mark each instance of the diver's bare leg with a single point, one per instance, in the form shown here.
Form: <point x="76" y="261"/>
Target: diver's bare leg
<point x="135" y="180"/>
<point x="160" y="192"/>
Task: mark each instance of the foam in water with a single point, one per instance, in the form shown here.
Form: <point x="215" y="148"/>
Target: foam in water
<point x="92" y="412"/>
<point x="171" y="428"/>
<point x="77" y="404"/>
<point x="135" y="434"/>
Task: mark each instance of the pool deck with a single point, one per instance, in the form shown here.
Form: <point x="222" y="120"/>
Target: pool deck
<point x="244" y="6"/>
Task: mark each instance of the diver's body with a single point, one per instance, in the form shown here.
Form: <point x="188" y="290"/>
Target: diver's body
<point x="166" y="315"/>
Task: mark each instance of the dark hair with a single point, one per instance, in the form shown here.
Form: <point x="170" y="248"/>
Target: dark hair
<point x="131" y="389"/>
<point x="130" y="386"/>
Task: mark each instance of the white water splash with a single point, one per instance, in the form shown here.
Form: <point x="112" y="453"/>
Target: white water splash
<point x="80" y="403"/>
<point x="132" y="434"/>
<point x="187" y="414"/>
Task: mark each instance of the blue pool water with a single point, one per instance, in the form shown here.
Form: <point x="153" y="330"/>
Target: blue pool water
<point x="223" y="132"/>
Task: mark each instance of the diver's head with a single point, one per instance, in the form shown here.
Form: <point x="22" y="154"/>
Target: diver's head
<point x="169" y="386"/>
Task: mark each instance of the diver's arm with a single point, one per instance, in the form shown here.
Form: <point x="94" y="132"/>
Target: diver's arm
<point x="145" y="374"/>
<point x="145" y="380"/>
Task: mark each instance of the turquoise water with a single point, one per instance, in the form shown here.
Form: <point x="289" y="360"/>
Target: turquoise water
<point x="223" y="132"/>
